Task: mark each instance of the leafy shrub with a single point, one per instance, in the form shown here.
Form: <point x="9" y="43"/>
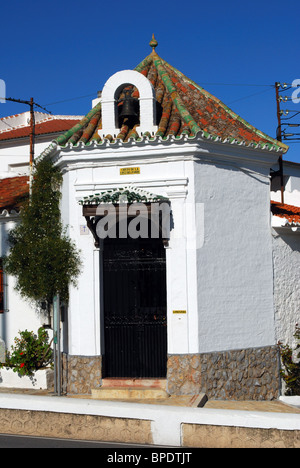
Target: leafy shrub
<point x="291" y="372"/>
<point x="42" y="258"/>
<point x="30" y="352"/>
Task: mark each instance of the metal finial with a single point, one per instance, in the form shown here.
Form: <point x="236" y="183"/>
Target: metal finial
<point x="153" y="43"/>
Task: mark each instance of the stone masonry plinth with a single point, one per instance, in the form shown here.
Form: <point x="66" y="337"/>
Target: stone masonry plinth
<point x="249" y="374"/>
<point x="81" y="374"/>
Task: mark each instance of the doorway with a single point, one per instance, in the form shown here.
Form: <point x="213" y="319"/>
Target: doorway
<point x="135" y="308"/>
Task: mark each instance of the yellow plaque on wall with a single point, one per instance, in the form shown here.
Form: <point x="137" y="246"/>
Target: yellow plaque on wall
<point x="130" y="170"/>
<point x="179" y="311"/>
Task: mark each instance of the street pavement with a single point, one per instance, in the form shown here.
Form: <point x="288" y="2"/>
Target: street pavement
<point x="17" y="441"/>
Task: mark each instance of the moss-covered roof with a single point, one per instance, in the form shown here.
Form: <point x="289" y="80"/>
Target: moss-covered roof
<point x="184" y="108"/>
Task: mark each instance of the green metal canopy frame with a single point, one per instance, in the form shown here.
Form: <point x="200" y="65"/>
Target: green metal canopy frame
<point x="127" y="194"/>
<point x="123" y="196"/>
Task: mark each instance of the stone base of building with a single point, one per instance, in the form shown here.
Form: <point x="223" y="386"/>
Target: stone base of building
<point x="247" y="374"/>
<point x="80" y="374"/>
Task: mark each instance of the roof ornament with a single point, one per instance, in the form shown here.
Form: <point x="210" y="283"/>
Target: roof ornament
<point x="153" y="43"/>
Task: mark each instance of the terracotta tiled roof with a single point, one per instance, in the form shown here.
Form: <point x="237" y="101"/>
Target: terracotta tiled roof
<point x="184" y="108"/>
<point x="51" y="125"/>
<point x="289" y="212"/>
<point x="13" y="191"/>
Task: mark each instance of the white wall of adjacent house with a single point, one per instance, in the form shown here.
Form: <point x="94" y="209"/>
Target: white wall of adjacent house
<point x="19" y="314"/>
<point x="291" y="177"/>
<point x="15" y="155"/>
<point x="286" y="259"/>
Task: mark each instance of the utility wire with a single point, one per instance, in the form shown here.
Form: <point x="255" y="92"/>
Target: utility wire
<point x="250" y="95"/>
<point x="21" y="101"/>
<point x="68" y="100"/>
<point x="237" y="84"/>
<point x="211" y="84"/>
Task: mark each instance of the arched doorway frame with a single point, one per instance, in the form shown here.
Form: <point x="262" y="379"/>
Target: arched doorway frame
<point x="158" y="364"/>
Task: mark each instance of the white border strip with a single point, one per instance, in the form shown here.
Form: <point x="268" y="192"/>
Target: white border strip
<point x="166" y="420"/>
<point x="291" y="400"/>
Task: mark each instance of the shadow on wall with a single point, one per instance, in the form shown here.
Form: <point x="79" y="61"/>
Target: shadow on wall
<point x="291" y="238"/>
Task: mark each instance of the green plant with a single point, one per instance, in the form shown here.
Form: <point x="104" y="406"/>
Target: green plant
<point x="30" y="352"/>
<point x="42" y="257"/>
<point x="291" y="374"/>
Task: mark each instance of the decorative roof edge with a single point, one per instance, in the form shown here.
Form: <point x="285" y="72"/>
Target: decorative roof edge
<point x="202" y="135"/>
<point x="126" y="194"/>
<point x="9" y="213"/>
<point x="285" y="216"/>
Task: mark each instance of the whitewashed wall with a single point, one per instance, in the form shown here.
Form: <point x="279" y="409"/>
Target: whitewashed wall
<point x="291" y="172"/>
<point x="19" y="313"/>
<point x="286" y="258"/>
<point x="15" y="155"/>
<point x="98" y="170"/>
<point x="219" y="259"/>
<point x="235" y="272"/>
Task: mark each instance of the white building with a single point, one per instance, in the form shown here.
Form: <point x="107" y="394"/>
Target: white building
<point x="202" y="306"/>
<point x="15" y="313"/>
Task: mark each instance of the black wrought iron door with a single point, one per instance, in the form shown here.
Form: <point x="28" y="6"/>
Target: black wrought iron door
<point x="134" y="308"/>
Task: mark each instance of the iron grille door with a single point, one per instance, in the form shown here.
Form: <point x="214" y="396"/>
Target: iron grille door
<point x="134" y="308"/>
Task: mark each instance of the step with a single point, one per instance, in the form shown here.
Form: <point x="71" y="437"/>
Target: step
<point x="128" y="393"/>
<point x="134" y="382"/>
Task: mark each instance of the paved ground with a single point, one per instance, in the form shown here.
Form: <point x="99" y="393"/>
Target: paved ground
<point x="267" y="406"/>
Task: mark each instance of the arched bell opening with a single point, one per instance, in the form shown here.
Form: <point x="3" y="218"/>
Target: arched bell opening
<point x="128" y="107"/>
<point x="139" y="104"/>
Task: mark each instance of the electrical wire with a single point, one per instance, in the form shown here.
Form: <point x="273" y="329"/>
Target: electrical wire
<point x="249" y="96"/>
<point x="70" y="99"/>
<point x="237" y="84"/>
<point x="211" y="84"/>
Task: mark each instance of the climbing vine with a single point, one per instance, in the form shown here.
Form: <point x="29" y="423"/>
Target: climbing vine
<point x="42" y="257"/>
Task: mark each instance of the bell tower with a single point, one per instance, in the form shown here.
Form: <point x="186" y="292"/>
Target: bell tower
<point x="109" y="100"/>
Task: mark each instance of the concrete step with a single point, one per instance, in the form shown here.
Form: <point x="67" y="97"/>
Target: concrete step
<point x="129" y="393"/>
<point x="141" y="383"/>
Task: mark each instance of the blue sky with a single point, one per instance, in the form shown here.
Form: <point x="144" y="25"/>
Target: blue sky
<point x="65" y="51"/>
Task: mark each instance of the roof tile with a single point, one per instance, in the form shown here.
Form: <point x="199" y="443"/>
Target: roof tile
<point x="13" y="191"/>
<point x="289" y="212"/>
<point x="42" y="128"/>
<point x="182" y="101"/>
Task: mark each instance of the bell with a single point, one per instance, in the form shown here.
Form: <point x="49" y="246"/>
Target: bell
<point x="130" y="104"/>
